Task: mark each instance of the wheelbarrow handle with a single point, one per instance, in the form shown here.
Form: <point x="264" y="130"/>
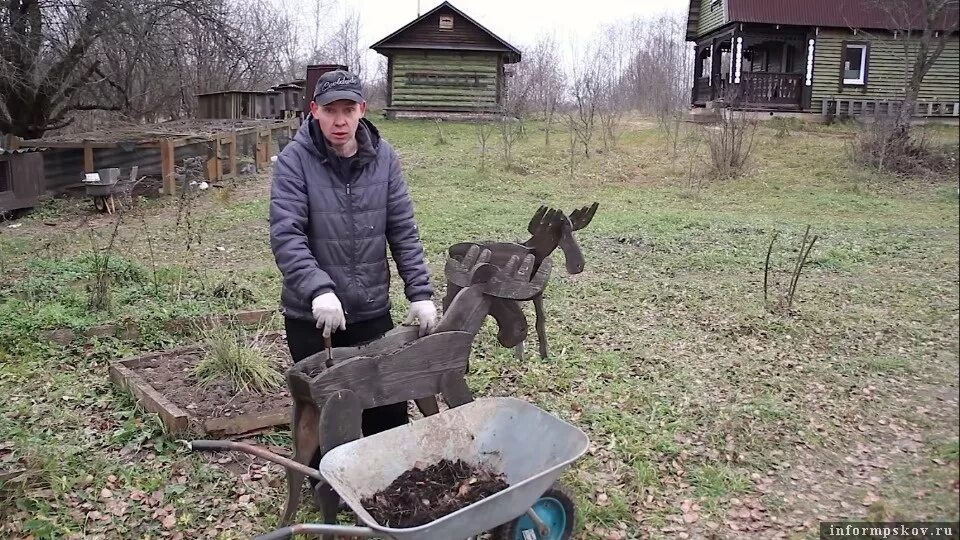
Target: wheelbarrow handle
<point x="279" y="534"/>
<point x="316" y="529"/>
<point x="257" y="451"/>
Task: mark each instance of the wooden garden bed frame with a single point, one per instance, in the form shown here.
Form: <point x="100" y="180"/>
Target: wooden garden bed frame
<point x="176" y="419"/>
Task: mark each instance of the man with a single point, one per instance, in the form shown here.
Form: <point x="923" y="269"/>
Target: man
<point x="338" y="200"/>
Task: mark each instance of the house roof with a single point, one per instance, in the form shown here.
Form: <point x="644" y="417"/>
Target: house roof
<point x="879" y="14"/>
<point x="224" y="92"/>
<point x="391" y="40"/>
<point x="24" y="150"/>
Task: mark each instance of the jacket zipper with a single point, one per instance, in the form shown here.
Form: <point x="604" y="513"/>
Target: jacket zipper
<point x="353" y="241"/>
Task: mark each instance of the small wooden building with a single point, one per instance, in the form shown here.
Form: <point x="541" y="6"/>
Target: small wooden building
<point x="21" y="178"/>
<point x="290" y="100"/>
<point x="239" y="104"/>
<point x="820" y="56"/>
<point x="314" y="71"/>
<point x="445" y="62"/>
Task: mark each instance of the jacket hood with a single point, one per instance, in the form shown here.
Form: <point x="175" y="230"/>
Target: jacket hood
<point x="311" y="137"/>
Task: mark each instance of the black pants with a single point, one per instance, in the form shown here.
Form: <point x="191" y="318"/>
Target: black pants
<point x="304" y="340"/>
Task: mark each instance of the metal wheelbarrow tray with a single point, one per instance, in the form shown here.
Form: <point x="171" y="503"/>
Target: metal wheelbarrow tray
<point x="507" y="435"/>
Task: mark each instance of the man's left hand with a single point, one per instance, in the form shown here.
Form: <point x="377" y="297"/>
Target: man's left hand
<point x="426" y="313"/>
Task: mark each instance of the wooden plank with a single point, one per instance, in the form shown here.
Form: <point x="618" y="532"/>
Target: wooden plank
<point x="217" y="163"/>
<point x="232" y="154"/>
<point x="174" y="418"/>
<point x="167" y="167"/>
<point x="88" y="158"/>
<point x="246" y="423"/>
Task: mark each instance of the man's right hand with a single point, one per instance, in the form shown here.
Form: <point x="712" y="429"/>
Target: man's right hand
<point x="329" y="313"/>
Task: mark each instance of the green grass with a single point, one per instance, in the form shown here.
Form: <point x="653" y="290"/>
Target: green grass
<point x="662" y="350"/>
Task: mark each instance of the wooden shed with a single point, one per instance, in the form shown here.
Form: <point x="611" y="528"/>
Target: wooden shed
<point x="21" y="178"/>
<point x="314" y="71"/>
<point x="290" y="100"/>
<point x="239" y="104"/>
<point x="445" y="62"/>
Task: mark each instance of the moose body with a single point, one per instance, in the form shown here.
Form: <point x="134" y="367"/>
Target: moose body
<point x="549" y="229"/>
<point x="401" y="366"/>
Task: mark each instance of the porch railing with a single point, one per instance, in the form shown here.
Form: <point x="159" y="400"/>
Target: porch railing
<point x="771" y="88"/>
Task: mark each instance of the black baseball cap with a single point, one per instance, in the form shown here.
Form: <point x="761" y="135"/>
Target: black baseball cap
<point x="338" y="84"/>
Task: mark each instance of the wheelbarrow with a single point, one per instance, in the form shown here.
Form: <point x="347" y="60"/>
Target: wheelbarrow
<point x="507" y="435"/>
<point x="103" y="184"/>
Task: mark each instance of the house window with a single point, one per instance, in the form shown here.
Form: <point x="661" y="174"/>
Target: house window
<point x="715" y="4"/>
<point x="4" y="176"/>
<point x="446" y="22"/>
<point x="855" y="63"/>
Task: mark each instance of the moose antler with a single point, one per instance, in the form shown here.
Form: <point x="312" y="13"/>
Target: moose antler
<point x="581" y="217"/>
<point x="461" y="270"/>
<point x="543" y="219"/>
<point x="517" y="279"/>
<point x="546" y="230"/>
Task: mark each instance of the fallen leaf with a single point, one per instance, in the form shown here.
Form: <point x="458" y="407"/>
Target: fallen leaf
<point x="691" y="517"/>
<point x="169" y="522"/>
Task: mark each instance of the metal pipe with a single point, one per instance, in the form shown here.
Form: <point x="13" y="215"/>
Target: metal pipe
<point x="257" y="451"/>
<point x="541" y="526"/>
<point x="317" y="529"/>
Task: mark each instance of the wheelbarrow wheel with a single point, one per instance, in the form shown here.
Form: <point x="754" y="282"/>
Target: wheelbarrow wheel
<point x="100" y="203"/>
<point x="555" y="507"/>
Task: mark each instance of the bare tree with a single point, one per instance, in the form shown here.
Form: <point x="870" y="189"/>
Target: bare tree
<point x="344" y="44"/>
<point x="923" y="28"/>
<point x="50" y="61"/>
<point x="925" y="35"/>
<point x="586" y="92"/>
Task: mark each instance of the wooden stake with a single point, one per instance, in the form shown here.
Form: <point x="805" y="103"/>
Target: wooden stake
<point x="167" y="168"/>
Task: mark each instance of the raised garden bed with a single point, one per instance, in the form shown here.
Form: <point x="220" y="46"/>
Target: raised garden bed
<point x="162" y="383"/>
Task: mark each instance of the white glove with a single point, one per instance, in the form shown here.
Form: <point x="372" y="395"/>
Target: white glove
<point x="426" y="313"/>
<point x="329" y="313"/>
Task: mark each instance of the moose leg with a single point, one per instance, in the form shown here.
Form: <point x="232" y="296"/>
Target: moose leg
<point x="541" y="324"/>
<point x="340" y="422"/>
<point x="306" y="441"/>
<point x="455" y="389"/>
<point x="428" y="406"/>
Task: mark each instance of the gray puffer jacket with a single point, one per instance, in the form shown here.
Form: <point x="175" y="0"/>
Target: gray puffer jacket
<point x="330" y="234"/>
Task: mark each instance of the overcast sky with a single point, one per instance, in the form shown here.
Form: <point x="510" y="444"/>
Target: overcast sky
<point x="519" y="22"/>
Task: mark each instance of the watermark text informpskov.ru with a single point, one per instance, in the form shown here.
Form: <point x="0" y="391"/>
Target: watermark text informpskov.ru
<point x="833" y="530"/>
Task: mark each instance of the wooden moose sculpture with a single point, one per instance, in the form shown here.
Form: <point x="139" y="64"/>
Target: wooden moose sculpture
<point x="330" y="395"/>
<point x="549" y="229"/>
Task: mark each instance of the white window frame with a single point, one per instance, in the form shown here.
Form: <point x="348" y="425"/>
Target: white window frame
<point x="863" y="64"/>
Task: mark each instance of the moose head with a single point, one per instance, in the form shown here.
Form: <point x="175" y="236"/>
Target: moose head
<point x="550" y="229"/>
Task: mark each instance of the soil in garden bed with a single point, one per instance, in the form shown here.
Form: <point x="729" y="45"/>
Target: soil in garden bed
<point x="419" y="496"/>
<point x="170" y="374"/>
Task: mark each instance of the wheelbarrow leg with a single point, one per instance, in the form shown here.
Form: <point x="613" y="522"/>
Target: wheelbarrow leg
<point x="340" y="422"/>
<point x="306" y="440"/>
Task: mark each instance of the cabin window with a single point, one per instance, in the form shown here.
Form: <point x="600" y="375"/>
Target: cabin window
<point x="446" y="22"/>
<point x="4" y="176"/>
<point x="855" y="63"/>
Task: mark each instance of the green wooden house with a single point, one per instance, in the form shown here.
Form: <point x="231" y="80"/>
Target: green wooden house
<point x="445" y="62"/>
<point x="834" y="57"/>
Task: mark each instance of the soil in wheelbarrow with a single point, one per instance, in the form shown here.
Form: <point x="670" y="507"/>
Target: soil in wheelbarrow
<point x="419" y="496"/>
